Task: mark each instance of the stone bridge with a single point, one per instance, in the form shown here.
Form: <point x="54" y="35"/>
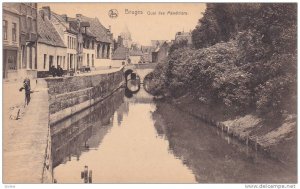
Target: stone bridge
<point x="140" y="69"/>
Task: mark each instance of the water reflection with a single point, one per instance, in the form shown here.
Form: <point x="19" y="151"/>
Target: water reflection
<point x="133" y="86"/>
<point x="84" y="130"/>
<point x="212" y="156"/>
<point x="137" y="140"/>
<point x="126" y="150"/>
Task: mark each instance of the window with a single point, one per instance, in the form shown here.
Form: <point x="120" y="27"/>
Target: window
<point x="103" y="50"/>
<point x="68" y="61"/>
<point x="93" y="60"/>
<point x="50" y="61"/>
<point x="29" y="24"/>
<point x="57" y="60"/>
<point x="108" y="51"/>
<point x="14" y="32"/>
<point x="68" y="42"/>
<point x="23" y="23"/>
<point x="88" y="59"/>
<point x="34" y="26"/>
<point x="45" y="60"/>
<point x="30" y="57"/>
<point x="5" y="29"/>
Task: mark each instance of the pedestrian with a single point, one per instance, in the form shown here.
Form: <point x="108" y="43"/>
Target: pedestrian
<point x="60" y="71"/>
<point x="26" y="86"/>
<point x="53" y="70"/>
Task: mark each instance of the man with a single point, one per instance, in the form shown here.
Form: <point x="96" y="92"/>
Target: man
<point x="53" y="70"/>
<point x="60" y="71"/>
<point x="26" y="86"/>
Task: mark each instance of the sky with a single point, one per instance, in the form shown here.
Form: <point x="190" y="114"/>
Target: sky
<point x="143" y="20"/>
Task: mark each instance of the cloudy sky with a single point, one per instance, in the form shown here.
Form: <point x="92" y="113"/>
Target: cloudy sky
<point x="143" y="20"/>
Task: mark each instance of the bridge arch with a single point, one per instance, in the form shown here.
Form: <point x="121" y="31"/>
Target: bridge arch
<point x="127" y="73"/>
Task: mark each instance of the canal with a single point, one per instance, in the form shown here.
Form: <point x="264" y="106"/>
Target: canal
<point x="130" y="138"/>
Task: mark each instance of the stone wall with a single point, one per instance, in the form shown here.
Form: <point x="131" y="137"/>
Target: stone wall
<point x="69" y="95"/>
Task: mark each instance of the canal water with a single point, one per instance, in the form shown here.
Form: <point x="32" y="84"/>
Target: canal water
<point x="130" y="138"/>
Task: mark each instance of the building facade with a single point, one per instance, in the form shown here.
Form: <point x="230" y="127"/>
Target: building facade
<point x="101" y="44"/>
<point x="160" y="52"/>
<point x="120" y="57"/>
<point x="11" y="41"/>
<point x="19" y="40"/>
<point x="135" y="56"/>
<point x="69" y="35"/>
<point x="28" y="39"/>
<point x="51" y="50"/>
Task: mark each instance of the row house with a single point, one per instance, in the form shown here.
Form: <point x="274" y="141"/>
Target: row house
<point x="68" y="34"/>
<point x="98" y="42"/>
<point x="11" y="41"/>
<point x="19" y="40"/>
<point x="51" y="48"/>
<point x="88" y="42"/>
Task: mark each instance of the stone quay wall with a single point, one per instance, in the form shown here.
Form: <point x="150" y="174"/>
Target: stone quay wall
<point x="69" y="95"/>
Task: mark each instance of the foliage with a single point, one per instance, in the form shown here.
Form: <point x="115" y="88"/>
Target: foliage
<point x="245" y="58"/>
<point x="177" y="45"/>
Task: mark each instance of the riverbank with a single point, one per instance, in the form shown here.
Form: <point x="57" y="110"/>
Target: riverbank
<point x="276" y="138"/>
<point x="25" y="140"/>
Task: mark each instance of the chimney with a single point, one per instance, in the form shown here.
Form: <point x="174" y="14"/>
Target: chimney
<point x="47" y="11"/>
<point x="65" y="17"/>
<point x="42" y="13"/>
<point x="78" y="16"/>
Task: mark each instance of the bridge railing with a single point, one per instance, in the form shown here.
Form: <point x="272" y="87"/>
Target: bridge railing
<point x="142" y="66"/>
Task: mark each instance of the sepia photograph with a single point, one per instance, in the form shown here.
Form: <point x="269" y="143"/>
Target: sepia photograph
<point x="149" y="93"/>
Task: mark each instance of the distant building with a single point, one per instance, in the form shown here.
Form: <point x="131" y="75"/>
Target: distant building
<point x="120" y="57"/>
<point x="161" y="52"/>
<point x="51" y="50"/>
<point x="135" y="56"/>
<point x="157" y="43"/>
<point x="126" y="37"/>
<point x="181" y="36"/>
<point x="147" y="53"/>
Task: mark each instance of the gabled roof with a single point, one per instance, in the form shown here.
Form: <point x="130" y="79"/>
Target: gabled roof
<point x="147" y="49"/>
<point x="156" y="43"/>
<point x="65" y="23"/>
<point x="135" y="52"/>
<point x="47" y="33"/>
<point x="10" y="7"/>
<point x="97" y="29"/>
<point x="165" y="44"/>
<point x="120" y="53"/>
